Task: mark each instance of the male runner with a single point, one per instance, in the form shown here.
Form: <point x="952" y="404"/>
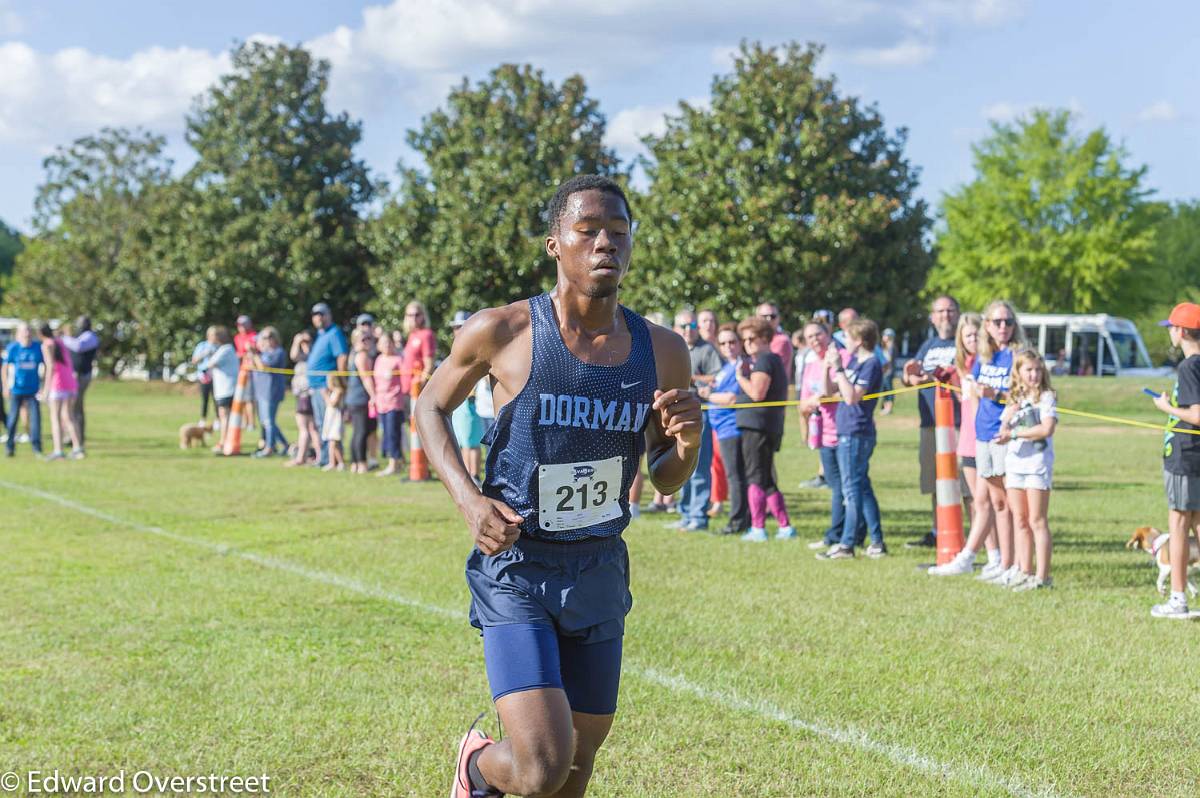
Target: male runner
<point x="583" y="386"/>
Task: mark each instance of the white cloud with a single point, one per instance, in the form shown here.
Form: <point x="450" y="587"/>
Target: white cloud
<point x="407" y="48"/>
<point x="906" y="53"/>
<point x="49" y="99"/>
<point x="1161" y="111"/>
<point x="1003" y="112"/>
<point x="626" y="128"/>
<point x="407" y="53"/>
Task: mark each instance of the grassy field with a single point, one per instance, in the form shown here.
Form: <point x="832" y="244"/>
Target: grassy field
<point x="174" y="612"/>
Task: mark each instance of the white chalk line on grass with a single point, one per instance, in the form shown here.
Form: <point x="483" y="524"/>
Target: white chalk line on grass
<point x="971" y="775"/>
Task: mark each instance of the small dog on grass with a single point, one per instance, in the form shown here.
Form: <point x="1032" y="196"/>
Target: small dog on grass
<point x="1154" y="541"/>
<point x="193" y="434"/>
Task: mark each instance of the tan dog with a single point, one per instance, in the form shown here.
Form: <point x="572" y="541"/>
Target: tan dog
<point x="1149" y="539"/>
<point x="193" y="434"/>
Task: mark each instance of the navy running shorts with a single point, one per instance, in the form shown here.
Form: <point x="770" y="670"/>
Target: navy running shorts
<point x="552" y="616"/>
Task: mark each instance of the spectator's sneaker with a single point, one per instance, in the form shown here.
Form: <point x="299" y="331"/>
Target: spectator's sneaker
<point x="680" y="524"/>
<point x="786" y="533"/>
<point x="755" y="535"/>
<point x="818" y="545"/>
<point x="837" y="552"/>
<point x="926" y="541"/>
<point x="1172" y="608"/>
<point x="655" y="507"/>
<point x="694" y="526"/>
<point x="1008" y="578"/>
<point x="963" y="563"/>
<point x="876" y="551"/>
<point x="1033" y="583"/>
<point x="23" y="437"/>
<point x="816" y="483"/>
<point x="1020" y="580"/>
<point x="990" y="571"/>
<point x="55" y="456"/>
<point x="474" y="740"/>
<point x="77" y="454"/>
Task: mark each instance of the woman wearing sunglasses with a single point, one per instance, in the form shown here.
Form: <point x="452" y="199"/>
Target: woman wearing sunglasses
<point x="1000" y="337"/>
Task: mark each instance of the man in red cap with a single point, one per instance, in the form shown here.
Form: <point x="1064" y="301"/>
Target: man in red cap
<point x="1181" y="454"/>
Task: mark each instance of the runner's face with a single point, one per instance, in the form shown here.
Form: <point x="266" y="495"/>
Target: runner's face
<point x="593" y="242"/>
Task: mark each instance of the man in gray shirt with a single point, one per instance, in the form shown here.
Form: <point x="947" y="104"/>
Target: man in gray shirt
<point x="706" y="362"/>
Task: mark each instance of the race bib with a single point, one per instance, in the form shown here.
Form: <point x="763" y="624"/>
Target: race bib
<point x="575" y="495"/>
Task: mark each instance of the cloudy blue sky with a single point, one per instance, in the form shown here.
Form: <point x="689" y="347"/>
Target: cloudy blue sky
<point x="941" y="68"/>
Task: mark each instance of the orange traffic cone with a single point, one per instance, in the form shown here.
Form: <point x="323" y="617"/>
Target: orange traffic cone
<point x="233" y="436"/>
<point x="418" y="466"/>
<point x="949" y="495"/>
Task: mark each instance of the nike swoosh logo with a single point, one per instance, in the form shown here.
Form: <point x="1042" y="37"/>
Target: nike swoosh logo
<point x="630" y="385"/>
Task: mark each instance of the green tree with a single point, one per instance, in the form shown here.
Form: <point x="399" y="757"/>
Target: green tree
<point x="87" y="217"/>
<point x="10" y="246"/>
<point x="468" y="230"/>
<point x="1054" y="221"/>
<point x="1177" y="254"/>
<point x="266" y="221"/>
<point x="782" y="188"/>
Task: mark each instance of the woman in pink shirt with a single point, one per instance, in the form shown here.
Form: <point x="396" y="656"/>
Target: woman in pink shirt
<point x="815" y="384"/>
<point x="421" y="348"/>
<point x="389" y="399"/>
<point x="61" y="388"/>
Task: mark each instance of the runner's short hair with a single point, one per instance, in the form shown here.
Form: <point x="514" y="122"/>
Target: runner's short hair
<point x="558" y="205"/>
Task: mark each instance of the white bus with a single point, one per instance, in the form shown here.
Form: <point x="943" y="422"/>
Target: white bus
<point x="1089" y="344"/>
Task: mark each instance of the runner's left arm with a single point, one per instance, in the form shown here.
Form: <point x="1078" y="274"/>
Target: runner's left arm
<point x="673" y="439"/>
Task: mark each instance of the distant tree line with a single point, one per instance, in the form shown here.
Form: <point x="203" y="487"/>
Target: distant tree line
<point x="780" y="186"/>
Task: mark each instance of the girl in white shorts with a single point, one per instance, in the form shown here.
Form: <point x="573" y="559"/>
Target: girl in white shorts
<point x="1027" y="426"/>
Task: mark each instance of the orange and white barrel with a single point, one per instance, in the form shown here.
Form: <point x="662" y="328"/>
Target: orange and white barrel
<point x="418" y="466"/>
<point x="233" y="436"/>
<point x="949" y="493"/>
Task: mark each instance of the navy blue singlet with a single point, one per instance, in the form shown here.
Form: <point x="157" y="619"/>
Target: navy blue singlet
<point x="559" y="448"/>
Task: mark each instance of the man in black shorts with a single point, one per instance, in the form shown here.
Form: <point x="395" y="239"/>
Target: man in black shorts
<point x="583" y="387"/>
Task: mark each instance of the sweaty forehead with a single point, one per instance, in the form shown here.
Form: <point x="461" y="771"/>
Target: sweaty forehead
<point x="594" y="204"/>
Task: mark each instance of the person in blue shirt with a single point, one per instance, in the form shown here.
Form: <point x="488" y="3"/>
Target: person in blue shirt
<point x="200" y="355"/>
<point x="23" y="370"/>
<point x="724" y="391"/>
<point x="862" y="376"/>
<point x="269" y="389"/>
<point x="329" y="352"/>
<point x="991" y="376"/>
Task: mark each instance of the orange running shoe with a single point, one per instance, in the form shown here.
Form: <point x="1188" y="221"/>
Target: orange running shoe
<point x="474" y="740"/>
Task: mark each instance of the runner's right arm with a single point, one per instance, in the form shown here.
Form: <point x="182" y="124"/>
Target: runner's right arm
<point x="493" y="524"/>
